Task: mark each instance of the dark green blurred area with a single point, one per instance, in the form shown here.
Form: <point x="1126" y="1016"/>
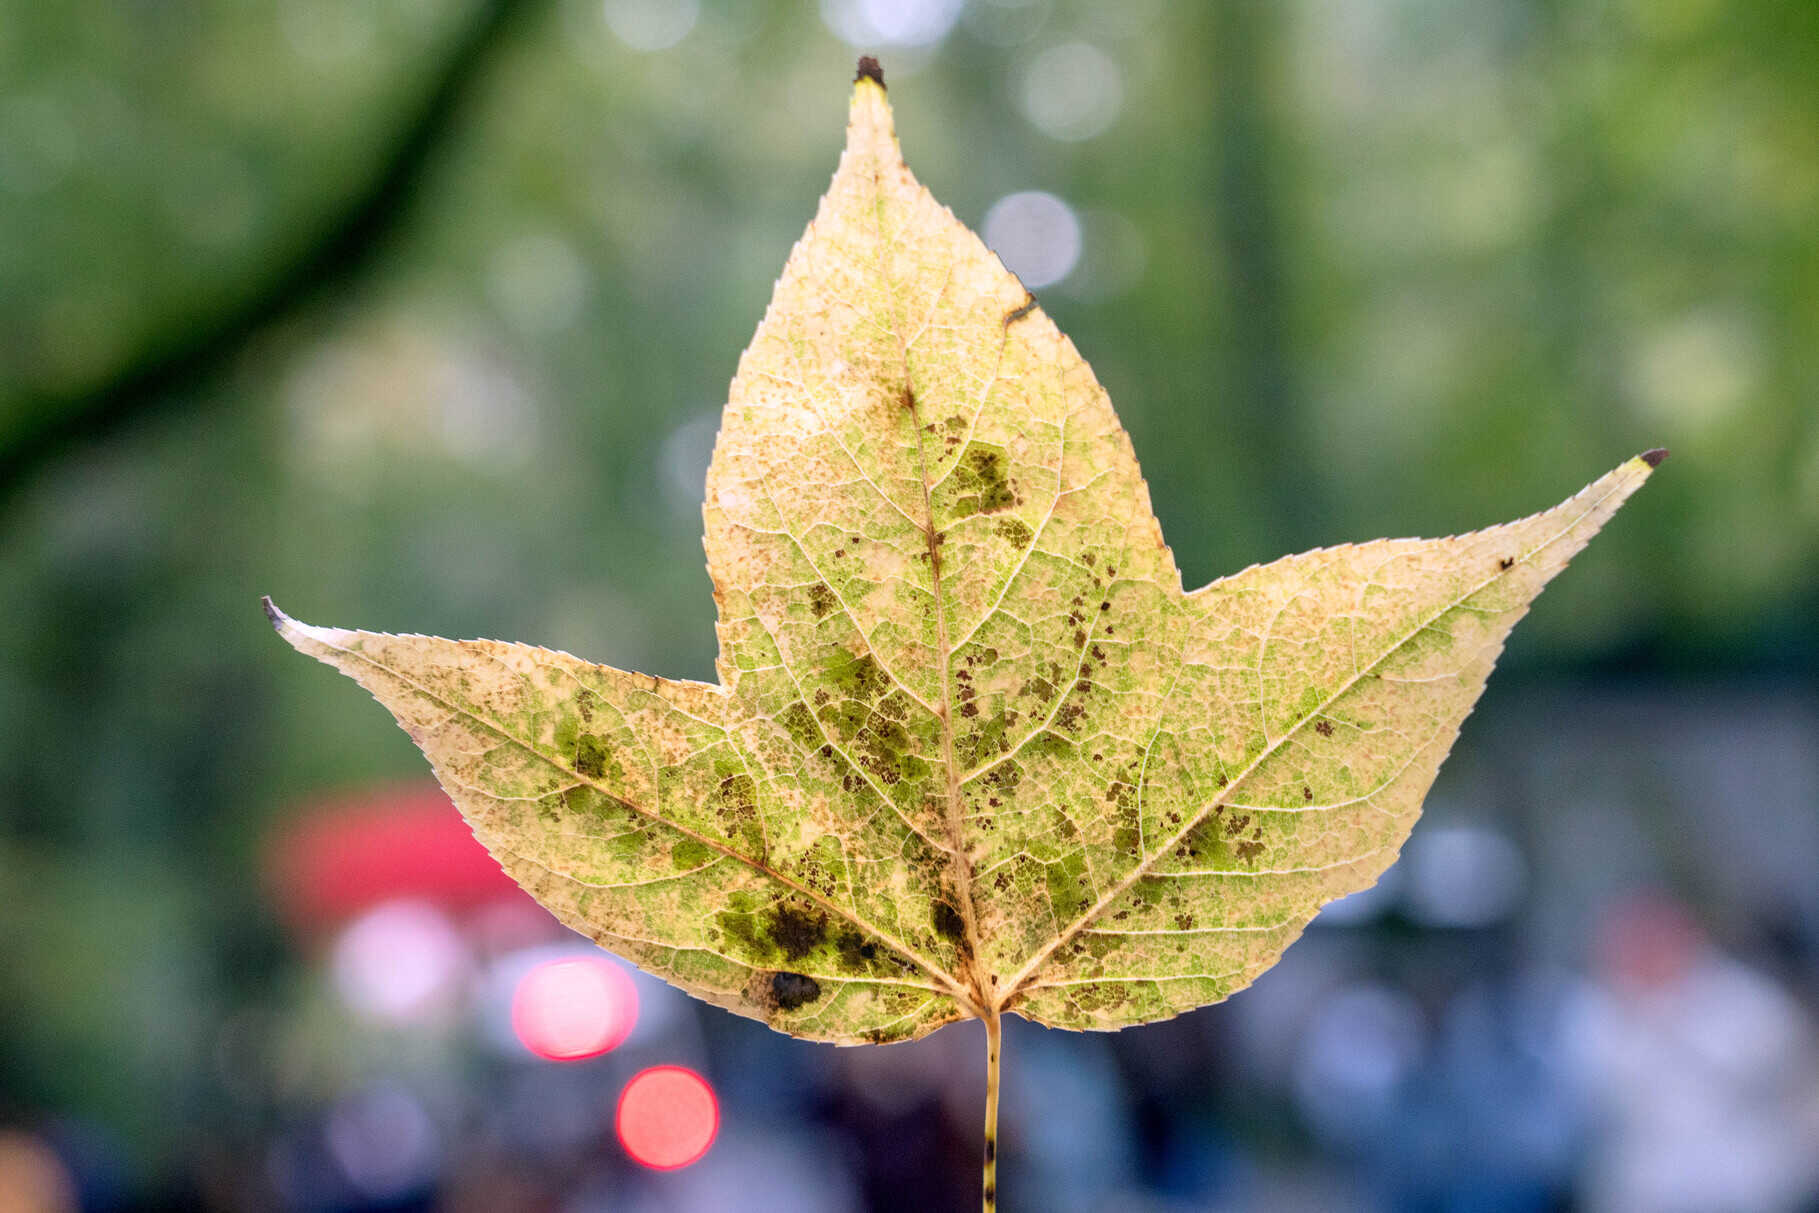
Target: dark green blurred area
<point x="417" y="316"/>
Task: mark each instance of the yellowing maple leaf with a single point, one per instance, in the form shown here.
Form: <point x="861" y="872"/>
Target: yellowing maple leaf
<point x="973" y="749"/>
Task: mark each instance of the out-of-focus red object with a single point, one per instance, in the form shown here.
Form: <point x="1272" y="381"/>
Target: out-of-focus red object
<point x="668" y="1117"/>
<point x="343" y="855"/>
<point x="1648" y="941"/>
<point x="575" y="1007"/>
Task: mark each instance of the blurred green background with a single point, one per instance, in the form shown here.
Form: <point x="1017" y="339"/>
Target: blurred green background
<point x="418" y="315"/>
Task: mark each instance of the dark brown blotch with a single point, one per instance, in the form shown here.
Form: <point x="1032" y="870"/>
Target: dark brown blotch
<point x="793" y="990"/>
<point x="856" y="952"/>
<point x="797" y="930"/>
<point x="590" y="756"/>
<point x="948" y="923"/>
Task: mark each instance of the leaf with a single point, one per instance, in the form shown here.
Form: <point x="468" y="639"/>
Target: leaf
<point x="972" y="749"/>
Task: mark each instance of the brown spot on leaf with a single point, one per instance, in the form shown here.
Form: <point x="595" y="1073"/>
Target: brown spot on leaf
<point x="1005" y="777"/>
<point x="947" y="923"/>
<point x="797" y="930"/>
<point x="590" y="756"/>
<point x="1324" y="728"/>
<point x="793" y="990"/>
<point x="983" y="480"/>
<point x="856" y="952"/>
<point x="1014" y="532"/>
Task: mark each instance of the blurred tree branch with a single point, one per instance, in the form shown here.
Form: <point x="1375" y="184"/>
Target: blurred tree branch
<point x="347" y="248"/>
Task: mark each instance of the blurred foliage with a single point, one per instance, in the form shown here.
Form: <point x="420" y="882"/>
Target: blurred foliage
<point x="1350" y="269"/>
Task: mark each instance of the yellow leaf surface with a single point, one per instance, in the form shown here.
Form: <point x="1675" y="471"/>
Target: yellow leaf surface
<point x="973" y="749"/>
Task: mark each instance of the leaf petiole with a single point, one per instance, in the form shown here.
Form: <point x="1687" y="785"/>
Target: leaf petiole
<point x="994" y="1048"/>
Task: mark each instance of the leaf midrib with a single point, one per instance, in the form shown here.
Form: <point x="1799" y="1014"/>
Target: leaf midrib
<point x="960" y="863"/>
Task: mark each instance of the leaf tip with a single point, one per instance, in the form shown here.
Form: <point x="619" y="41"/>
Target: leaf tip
<point x="871" y="135"/>
<point x="293" y="631"/>
<point x="1653" y="458"/>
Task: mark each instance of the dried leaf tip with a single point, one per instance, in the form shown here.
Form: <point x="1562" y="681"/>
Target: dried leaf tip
<point x="298" y="634"/>
<point x="871" y="135"/>
<point x="1653" y="458"/>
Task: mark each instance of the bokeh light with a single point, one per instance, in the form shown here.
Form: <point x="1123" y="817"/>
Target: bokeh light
<point x="1359" y="1046"/>
<point x="668" y="1117"/>
<point x="870" y="24"/>
<point x="33" y="1179"/>
<point x="651" y="25"/>
<point x="576" y="1007"/>
<point x="1463" y="876"/>
<point x="1072" y="92"/>
<point x="399" y="961"/>
<point x="1036" y="234"/>
<point x="383" y="1141"/>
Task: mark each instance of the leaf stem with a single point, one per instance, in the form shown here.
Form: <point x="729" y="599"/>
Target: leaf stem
<point x="994" y="1048"/>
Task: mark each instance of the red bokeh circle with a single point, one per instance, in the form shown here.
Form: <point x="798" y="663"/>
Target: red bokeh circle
<point x="668" y="1117"/>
